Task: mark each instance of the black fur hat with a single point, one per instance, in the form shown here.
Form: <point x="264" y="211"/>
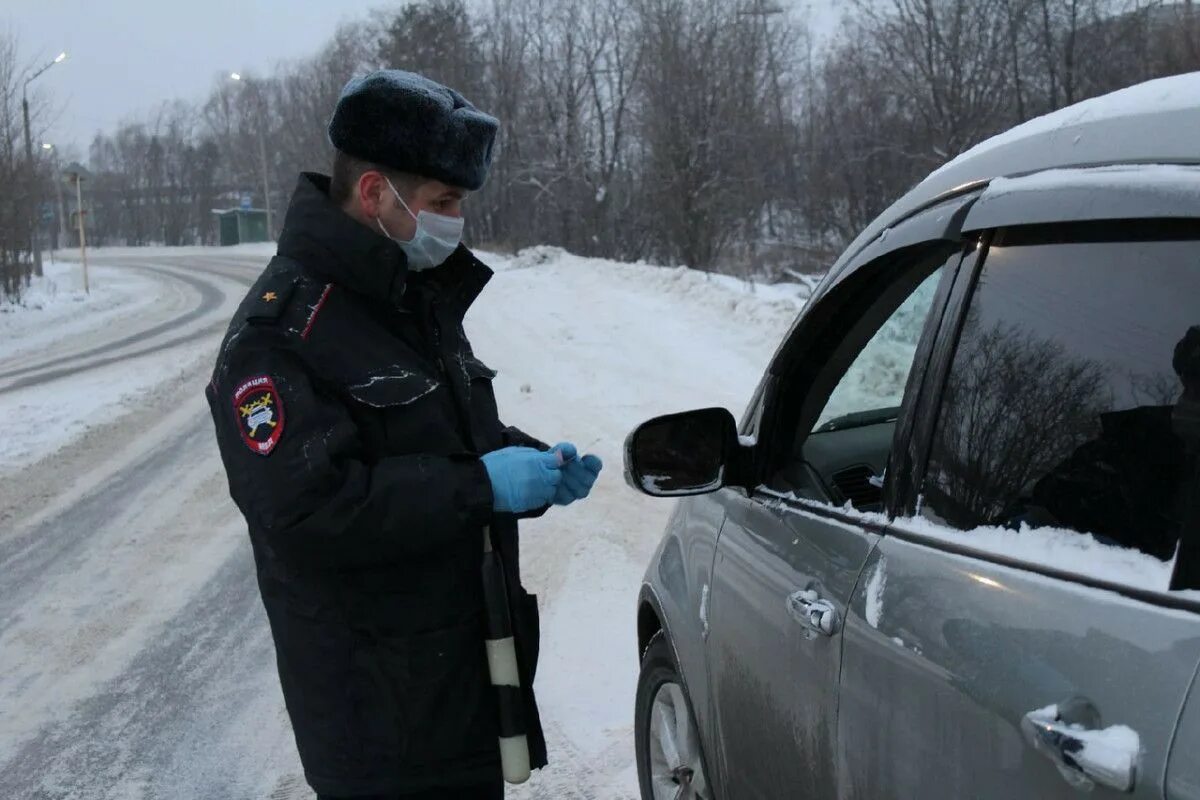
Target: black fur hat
<point x="407" y="122"/>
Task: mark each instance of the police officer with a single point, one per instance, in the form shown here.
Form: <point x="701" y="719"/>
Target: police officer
<point x="361" y="440"/>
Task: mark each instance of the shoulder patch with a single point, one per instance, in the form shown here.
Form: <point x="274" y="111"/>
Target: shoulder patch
<point x="270" y="299"/>
<point x="258" y="409"/>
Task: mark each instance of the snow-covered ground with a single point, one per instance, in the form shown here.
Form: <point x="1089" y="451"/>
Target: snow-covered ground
<point x="141" y="326"/>
<point x="55" y="306"/>
<point x="135" y="661"/>
<point x="134" y="656"/>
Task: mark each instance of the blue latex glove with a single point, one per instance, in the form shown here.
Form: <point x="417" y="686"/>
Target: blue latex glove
<point x="579" y="475"/>
<point x="523" y="479"/>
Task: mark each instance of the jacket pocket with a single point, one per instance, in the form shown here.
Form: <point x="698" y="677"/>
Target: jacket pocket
<point x="477" y="369"/>
<point x="434" y="696"/>
<point x="485" y="419"/>
<point x="401" y="411"/>
<point x="390" y="388"/>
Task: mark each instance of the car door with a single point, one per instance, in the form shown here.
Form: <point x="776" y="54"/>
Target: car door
<point x="1183" y="768"/>
<point x="787" y="560"/>
<point x="1014" y="633"/>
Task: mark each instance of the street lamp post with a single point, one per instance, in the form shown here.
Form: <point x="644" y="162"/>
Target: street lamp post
<point x="33" y="228"/>
<point x="262" y="151"/>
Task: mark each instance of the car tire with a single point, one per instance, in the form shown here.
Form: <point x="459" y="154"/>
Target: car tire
<point x="670" y="757"/>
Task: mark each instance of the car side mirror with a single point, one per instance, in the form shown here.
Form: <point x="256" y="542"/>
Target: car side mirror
<point x="681" y="454"/>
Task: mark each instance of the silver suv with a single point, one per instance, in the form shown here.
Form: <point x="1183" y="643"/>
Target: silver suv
<point x="953" y="547"/>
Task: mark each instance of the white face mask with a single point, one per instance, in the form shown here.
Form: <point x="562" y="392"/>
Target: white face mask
<point x="436" y="238"/>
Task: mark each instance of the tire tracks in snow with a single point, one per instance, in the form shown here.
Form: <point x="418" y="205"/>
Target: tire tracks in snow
<point x="135" y="659"/>
<point x="26" y="559"/>
<point x="178" y="719"/>
<point x="210" y="298"/>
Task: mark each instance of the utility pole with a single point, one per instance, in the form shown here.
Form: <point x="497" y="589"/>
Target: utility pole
<point x="77" y="174"/>
<point x="262" y="147"/>
<point x="33" y="194"/>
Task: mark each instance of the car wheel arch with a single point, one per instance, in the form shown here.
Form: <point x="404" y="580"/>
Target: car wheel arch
<point x="649" y="623"/>
<point x="652" y="621"/>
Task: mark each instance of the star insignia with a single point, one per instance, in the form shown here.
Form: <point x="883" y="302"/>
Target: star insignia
<point x="270" y="297"/>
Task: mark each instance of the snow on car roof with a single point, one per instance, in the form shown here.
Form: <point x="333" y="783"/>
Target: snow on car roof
<point x="1170" y="177"/>
<point x="1177" y="92"/>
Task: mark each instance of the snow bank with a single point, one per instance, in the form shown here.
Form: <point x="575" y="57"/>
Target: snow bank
<point x="741" y="301"/>
<point x="61" y="285"/>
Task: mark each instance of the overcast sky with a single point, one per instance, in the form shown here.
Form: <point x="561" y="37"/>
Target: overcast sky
<point x="127" y="56"/>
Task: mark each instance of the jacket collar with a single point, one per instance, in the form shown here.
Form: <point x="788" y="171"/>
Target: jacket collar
<point x="324" y="238"/>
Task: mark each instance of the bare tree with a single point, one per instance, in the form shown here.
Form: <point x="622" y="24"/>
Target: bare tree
<point x="705" y="127"/>
<point x="23" y="182"/>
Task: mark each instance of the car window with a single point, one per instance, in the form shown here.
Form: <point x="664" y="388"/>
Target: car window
<point x="859" y="386"/>
<point x="875" y="380"/>
<point x="1066" y="433"/>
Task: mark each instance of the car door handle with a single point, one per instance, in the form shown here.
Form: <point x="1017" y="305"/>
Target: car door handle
<point x="807" y="608"/>
<point x="1084" y="757"/>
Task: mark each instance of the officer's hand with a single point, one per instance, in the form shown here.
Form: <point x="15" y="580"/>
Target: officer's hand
<point x="579" y="475"/>
<point x="523" y="479"/>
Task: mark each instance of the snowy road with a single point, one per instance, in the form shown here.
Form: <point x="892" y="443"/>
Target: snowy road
<point x="135" y="661"/>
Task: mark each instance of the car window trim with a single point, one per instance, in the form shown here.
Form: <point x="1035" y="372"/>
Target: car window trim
<point x="769" y="451"/>
<point x="1073" y="194"/>
<point x="925" y="365"/>
<point x="875" y="524"/>
<point x="912" y="462"/>
<point x="938" y="223"/>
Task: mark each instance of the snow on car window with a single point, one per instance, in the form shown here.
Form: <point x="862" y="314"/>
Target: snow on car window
<point x="1057" y="548"/>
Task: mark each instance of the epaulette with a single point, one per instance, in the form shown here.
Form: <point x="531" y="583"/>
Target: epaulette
<point x="273" y="296"/>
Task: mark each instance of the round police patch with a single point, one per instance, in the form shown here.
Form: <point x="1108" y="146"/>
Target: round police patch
<point x="259" y="413"/>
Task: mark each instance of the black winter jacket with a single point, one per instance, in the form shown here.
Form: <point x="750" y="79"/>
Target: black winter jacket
<point x="350" y="413"/>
